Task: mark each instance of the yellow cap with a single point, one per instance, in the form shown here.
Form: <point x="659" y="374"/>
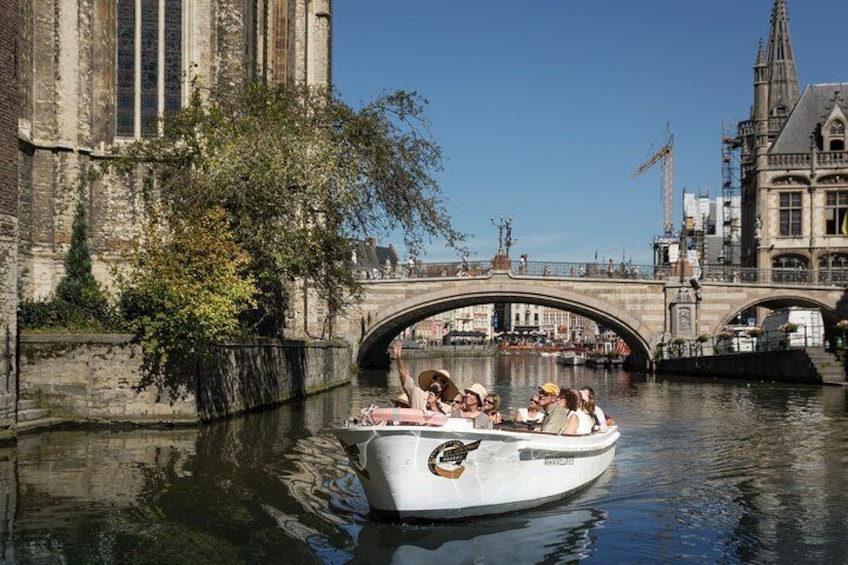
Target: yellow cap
<point x="550" y="388"/>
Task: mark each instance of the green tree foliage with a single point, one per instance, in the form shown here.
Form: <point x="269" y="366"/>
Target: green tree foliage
<point x="183" y="291"/>
<point x="80" y="303"/>
<point x="78" y="285"/>
<point x="298" y="173"/>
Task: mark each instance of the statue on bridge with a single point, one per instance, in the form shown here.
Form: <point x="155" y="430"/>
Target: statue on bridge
<point x="505" y="239"/>
<point x="505" y="242"/>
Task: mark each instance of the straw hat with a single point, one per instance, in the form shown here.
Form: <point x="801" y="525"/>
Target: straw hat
<point x="428" y="377"/>
<point x="401" y="401"/>
<point x="479" y="391"/>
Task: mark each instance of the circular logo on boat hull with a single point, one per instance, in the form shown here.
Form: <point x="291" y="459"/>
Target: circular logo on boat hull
<point x="447" y="459"/>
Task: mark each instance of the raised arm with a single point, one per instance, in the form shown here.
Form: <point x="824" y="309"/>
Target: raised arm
<point x="403" y="374"/>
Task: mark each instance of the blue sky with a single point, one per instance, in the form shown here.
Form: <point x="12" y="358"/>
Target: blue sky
<point x="543" y="108"/>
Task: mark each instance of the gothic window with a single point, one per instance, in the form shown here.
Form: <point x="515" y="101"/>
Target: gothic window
<point x="837" y="136"/>
<point x="790" y="214"/>
<point x="833" y="267"/>
<point x="149" y="64"/>
<point x="836" y="213"/>
<point x="789" y="269"/>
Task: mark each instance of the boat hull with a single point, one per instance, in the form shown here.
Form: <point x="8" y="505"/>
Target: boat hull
<point x="572" y="359"/>
<point x="417" y="472"/>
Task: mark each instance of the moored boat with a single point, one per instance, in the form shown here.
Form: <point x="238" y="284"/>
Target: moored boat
<point x="452" y="471"/>
<point x="571" y="358"/>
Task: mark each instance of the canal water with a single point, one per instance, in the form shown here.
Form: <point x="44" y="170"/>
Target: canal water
<point x="706" y="471"/>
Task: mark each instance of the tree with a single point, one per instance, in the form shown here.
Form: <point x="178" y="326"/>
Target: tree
<point x="78" y="285"/>
<point x="298" y="173"/>
<point x="182" y="292"/>
<point x="80" y="302"/>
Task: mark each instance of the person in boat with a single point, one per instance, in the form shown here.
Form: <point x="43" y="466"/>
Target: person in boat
<point x="556" y="417"/>
<point x="419" y="392"/>
<point x="401" y="401"/>
<point x="491" y="407"/>
<point x="600" y="420"/>
<point x="472" y="402"/>
<point x="456" y="402"/>
<point x="574" y="404"/>
<point x="434" y="400"/>
<point x="532" y="414"/>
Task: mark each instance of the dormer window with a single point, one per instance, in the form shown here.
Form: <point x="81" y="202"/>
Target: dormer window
<point x="836" y="136"/>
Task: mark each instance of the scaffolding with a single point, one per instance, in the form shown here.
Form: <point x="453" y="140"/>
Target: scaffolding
<point x="731" y="193"/>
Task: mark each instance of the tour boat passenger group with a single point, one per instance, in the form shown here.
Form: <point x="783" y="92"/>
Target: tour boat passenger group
<point x="448" y="454"/>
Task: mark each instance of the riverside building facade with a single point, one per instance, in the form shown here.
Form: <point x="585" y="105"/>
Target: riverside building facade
<point x="794" y="168"/>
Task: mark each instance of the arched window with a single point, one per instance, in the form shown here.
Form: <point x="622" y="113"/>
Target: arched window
<point x="837" y="128"/>
<point x="790" y="269"/>
<point x="833" y="267"/>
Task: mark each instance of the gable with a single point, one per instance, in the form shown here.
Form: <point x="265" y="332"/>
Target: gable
<point x="812" y="108"/>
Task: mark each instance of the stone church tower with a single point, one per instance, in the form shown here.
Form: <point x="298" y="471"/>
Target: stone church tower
<point x="97" y="72"/>
<point x="794" y="168"/>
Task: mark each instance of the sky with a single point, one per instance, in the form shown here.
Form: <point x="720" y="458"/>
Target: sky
<point x="543" y="108"/>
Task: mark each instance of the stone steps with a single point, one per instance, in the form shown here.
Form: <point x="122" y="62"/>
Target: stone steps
<point x="32" y="417"/>
<point x="829" y="368"/>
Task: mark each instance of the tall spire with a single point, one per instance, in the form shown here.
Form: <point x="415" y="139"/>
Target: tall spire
<point x="783" y="79"/>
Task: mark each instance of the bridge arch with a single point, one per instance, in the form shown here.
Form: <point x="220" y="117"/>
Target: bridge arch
<point x="779" y="300"/>
<point x="388" y="322"/>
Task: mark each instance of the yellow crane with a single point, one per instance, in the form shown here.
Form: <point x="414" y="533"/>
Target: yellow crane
<point x="665" y="155"/>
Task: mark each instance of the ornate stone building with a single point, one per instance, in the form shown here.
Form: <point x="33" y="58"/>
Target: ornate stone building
<point x="96" y="72"/>
<point x="794" y="167"/>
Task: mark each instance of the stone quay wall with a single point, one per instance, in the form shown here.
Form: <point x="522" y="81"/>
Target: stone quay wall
<point x="94" y="378"/>
<point x="791" y="366"/>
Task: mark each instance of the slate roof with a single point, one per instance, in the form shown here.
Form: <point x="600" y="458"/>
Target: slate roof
<point x="815" y="103"/>
<point x="369" y="255"/>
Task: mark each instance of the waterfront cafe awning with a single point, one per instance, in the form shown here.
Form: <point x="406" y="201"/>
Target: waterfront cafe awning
<point x="459" y="334"/>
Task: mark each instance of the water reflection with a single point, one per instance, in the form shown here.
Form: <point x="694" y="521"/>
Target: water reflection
<point x="559" y="535"/>
<point x="706" y="471"/>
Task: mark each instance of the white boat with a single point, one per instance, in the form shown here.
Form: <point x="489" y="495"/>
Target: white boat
<point x="571" y="358"/>
<point x="452" y="471"/>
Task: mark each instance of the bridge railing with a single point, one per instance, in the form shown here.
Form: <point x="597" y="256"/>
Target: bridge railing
<point x="589" y="269"/>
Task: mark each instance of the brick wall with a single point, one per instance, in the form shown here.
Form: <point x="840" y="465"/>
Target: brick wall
<point x="9" y="109"/>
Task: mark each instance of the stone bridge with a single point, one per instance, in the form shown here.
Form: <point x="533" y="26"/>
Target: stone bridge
<point x="643" y="312"/>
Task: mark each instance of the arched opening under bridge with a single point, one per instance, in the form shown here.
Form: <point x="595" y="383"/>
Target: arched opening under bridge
<point x="389" y="322"/>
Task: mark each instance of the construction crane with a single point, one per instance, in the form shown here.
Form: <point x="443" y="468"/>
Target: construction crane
<point x="665" y="155"/>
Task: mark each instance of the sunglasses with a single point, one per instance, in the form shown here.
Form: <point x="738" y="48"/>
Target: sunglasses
<point x="488" y="401"/>
<point x="456" y="401"/>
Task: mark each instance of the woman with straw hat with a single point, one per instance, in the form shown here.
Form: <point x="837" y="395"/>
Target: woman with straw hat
<point x="472" y="404"/>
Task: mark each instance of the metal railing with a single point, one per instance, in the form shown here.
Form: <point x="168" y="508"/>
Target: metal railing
<point x="724" y="344"/>
<point x="622" y="271"/>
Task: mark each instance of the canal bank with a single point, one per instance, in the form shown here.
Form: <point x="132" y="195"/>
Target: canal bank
<point x="803" y="365"/>
<point x="95" y="379"/>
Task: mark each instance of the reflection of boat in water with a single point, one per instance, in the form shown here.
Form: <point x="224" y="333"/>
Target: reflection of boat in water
<point x="571" y="358"/>
<point x="455" y="471"/>
<point x="555" y="535"/>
